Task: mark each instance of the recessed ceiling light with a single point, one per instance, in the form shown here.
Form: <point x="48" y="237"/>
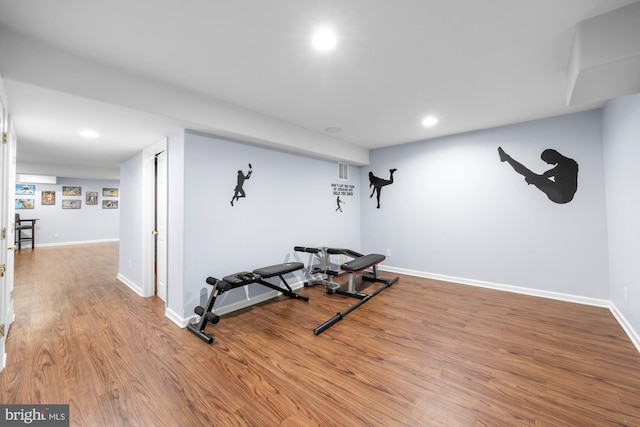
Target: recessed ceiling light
<point x="88" y="133"/>
<point x="429" y="121"/>
<point x="324" y="40"/>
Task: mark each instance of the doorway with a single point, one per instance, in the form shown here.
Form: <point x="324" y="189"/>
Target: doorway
<point x="160" y="229"/>
<point x="8" y="147"/>
<point x="155" y="188"/>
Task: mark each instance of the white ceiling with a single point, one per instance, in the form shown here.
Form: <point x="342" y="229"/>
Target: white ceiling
<point x="136" y="71"/>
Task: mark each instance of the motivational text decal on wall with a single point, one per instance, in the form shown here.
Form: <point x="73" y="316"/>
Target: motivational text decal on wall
<point x="341" y="190"/>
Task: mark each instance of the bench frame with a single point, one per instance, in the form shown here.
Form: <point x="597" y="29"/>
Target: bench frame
<point x="361" y="265"/>
<point x="237" y="280"/>
<point x="365" y="265"/>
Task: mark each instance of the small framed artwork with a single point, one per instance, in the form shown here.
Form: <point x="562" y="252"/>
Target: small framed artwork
<point x="109" y="204"/>
<point x="92" y="197"/>
<point x="109" y="192"/>
<point x="48" y="198"/>
<point x="68" y="190"/>
<point x="71" y="204"/>
<point x="25" y="203"/>
<point x="25" y="189"/>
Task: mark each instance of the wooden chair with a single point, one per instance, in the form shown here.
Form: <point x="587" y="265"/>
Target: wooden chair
<point x="29" y="227"/>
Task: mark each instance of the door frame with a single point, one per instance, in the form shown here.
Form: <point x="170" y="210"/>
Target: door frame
<point x="4" y="240"/>
<point x="161" y="212"/>
<point x="148" y="220"/>
<point x="7" y="220"/>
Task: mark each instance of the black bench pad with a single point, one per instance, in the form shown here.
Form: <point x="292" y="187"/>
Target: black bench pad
<point x="363" y="262"/>
<point x="278" y="269"/>
<point x="240" y="279"/>
<point x="246" y="277"/>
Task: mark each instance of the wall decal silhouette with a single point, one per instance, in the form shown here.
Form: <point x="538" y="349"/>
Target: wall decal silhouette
<point x="559" y="183"/>
<point x="378" y="183"/>
<point x="338" y="201"/>
<point x="238" y="192"/>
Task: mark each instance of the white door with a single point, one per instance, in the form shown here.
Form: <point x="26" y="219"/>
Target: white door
<point x="4" y="190"/>
<point x="7" y="223"/>
<point x="161" y="225"/>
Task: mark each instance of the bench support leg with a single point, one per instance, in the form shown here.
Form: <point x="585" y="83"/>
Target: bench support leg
<point x="207" y="316"/>
<point x="285" y="291"/>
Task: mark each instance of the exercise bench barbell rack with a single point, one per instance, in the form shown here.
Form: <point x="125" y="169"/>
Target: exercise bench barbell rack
<point x="367" y="265"/>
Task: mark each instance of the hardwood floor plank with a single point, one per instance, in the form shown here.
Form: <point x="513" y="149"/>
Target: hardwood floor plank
<point x="423" y="352"/>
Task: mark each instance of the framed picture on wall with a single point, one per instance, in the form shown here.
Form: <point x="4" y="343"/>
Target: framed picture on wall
<point x="92" y="197"/>
<point x="25" y="189"/>
<point x="68" y="190"/>
<point x="48" y="198"/>
<point x="109" y="192"/>
<point x="25" y="203"/>
<point x="71" y="203"/>
<point x="109" y="204"/>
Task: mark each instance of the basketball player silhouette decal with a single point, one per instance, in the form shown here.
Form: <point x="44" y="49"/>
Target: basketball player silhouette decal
<point x="559" y="183"/>
<point x="238" y="192"/>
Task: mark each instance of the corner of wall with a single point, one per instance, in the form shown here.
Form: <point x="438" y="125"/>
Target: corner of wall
<point x="131" y="285"/>
<point x="628" y="329"/>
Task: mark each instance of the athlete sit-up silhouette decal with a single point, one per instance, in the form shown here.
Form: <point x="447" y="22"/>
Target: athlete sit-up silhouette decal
<point x="378" y="183"/>
<point x="559" y="183"/>
<point x="238" y="192"/>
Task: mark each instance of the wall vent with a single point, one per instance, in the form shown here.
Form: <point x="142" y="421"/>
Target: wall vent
<point x="343" y="171"/>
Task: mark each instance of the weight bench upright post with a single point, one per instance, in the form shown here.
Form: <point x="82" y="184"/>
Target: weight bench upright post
<point x="323" y="255"/>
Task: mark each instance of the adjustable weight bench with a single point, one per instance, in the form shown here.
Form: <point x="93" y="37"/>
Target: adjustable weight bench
<point x="237" y="280"/>
<point x="366" y="265"/>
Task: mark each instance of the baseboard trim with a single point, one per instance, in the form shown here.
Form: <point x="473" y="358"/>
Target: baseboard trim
<point x="500" y="287"/>
<point x="172" y="315"/>
<point x="626" y="326"/>
<point x="130" y="284"/>
<point x="80" y="242"/>
<point x="182" y="322"/>
<point x="235" y="306"/>
<point x="628" y="329"/>
<point x="175" y="317"/>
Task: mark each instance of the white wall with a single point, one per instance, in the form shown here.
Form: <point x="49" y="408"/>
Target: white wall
<point x="176" y="203"/>
<point x="130" y="269"/>
<point x="289" y="201"/>
<point x="621" y="135"/>
<point x="456" y="211"/>
<point x="90" y="223"/>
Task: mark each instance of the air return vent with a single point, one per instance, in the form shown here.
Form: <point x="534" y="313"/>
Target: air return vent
<point x="343" y="171"/>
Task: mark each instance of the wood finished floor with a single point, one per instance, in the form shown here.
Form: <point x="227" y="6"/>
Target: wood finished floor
<point x="422" y="352"/>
